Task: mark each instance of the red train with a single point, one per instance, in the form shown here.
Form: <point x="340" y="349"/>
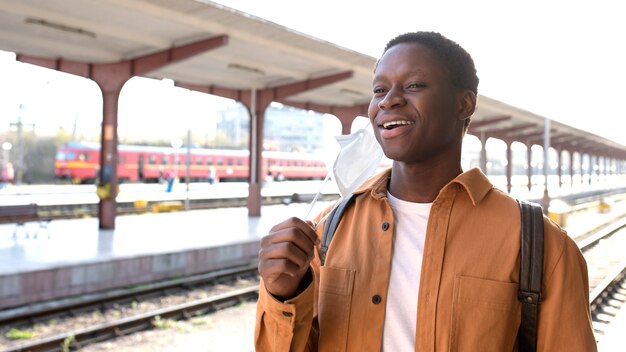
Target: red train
<point x="80" y="163"/>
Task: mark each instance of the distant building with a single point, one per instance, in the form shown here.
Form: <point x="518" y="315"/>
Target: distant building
<point x="286" y="128"/>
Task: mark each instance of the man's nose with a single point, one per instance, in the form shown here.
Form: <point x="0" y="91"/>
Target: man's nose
<point x="392" y="99"/>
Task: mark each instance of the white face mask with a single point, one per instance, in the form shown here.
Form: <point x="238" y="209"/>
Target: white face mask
<point x="359" y="157"/>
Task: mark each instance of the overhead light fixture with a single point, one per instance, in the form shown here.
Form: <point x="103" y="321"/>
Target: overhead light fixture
<point x="60" y="27"/>
<point x="246" y="68"/>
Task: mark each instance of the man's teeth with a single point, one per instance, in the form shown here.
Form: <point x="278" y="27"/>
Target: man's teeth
<point x="396" y="123"/>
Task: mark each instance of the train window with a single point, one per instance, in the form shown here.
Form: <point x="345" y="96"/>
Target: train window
<point x="239" y="162"/>
<point x="81" y="157"/>
<point x="198" y="160"/>
<point x="121" y="159"/>
<point x="209" y="161"/>
<point x="229" y="162"/>
<point x="164" y="160"/>
<point x="70" y="156"/>
<point x="152" y="160"/>
<point x="220" y="161"/>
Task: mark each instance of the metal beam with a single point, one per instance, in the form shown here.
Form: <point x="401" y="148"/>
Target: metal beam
<point x="485" y="122"/>
<point x="111" y="77"/>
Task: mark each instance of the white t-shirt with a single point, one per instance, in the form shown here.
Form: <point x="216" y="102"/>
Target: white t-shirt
<point x="408" y="248"/>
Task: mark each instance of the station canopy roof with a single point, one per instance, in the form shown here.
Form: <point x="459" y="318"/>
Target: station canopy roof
<point x="259" y="54"/>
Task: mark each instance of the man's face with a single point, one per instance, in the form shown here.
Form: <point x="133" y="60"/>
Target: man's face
<point x="415" y="110"/>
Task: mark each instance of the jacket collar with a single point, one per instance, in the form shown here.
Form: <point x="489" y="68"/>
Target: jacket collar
<point x="473" y="181"/>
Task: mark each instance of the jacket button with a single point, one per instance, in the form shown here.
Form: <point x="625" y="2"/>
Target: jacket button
<point x="288" y="314"/>
<point x="376" y="299"/>
<point x="385" y="226"/>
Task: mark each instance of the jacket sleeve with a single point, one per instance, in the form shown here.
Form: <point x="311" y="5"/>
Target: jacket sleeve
<point x="564" y="316"/>
<point x="284" y="326"/>
<point x="291" y="325"/>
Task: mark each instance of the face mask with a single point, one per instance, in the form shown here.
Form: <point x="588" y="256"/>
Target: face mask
<point x="359" y="157"/>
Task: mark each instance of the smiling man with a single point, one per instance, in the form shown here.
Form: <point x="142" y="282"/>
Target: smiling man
<point x="427" y="256"/>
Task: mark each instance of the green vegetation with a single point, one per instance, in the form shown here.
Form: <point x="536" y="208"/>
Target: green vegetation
<point x="67" y="343"/>
<point x="38" y="154"/>
<point x="17" y="334"/>
<point x="160" y="323"/>
<point x="202" y="321"/>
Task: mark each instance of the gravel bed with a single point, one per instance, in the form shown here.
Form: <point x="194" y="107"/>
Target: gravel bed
<point x="66" y="324"/>
<point x="230" y="329"/>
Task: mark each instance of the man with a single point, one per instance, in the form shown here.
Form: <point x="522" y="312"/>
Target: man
<point x="427" y="257"/>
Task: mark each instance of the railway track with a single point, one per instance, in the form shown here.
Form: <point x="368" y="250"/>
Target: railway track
<point x="607" y="273"/>
<point x="73" y="211"/>
<point x="78" y="337"/>
<point x="38" y="312"/>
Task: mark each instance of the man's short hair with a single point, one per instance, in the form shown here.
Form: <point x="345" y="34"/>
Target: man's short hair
<point x="455" y="59"/>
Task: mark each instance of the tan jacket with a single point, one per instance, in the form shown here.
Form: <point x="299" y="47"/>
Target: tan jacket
<point x="469" y="280"/>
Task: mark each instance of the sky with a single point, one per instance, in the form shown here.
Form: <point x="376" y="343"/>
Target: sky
<point x="565" y="60"/>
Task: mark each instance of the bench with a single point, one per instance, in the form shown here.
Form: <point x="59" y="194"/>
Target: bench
<point x="20" y="215"/>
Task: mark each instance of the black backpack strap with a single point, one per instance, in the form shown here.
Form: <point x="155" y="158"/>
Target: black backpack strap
<point x="332" y="221"/>
<point x="531" y="272"/>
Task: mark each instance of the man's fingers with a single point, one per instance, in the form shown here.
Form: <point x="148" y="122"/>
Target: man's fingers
<point x="313" y="226"/>
<point x="295" y="239"/>
<point x="287" y="251"/>
<point x="272" y="269"/>
<point x="285" y="255"/>
<point x="304" y="228"/>
<point x="294" y="235"/>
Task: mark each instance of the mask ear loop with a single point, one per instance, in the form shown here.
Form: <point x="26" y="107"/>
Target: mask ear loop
<point x="319" y="192"/>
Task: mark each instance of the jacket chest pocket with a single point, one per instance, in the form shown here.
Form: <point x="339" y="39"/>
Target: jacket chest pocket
<point x="485" y="315"/>
<point x="335" y="300"/>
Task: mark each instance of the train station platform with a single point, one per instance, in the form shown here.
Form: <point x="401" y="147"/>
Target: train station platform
<point x="72" y="257"/>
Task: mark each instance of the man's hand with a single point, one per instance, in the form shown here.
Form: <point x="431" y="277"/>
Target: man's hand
<point x="285" y="255"/>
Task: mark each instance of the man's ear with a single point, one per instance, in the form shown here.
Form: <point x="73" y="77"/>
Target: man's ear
<point x="467" y="104"/>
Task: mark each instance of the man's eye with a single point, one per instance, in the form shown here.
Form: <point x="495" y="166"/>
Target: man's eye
<point x="416" y="85"/>
<point x="379" y="90"/>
